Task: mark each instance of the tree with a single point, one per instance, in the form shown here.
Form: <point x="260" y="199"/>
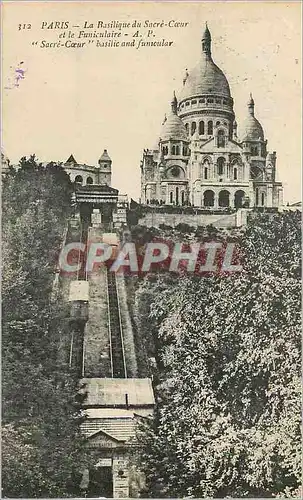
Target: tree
<point x="43" y="450"/>
<point x="227" y="421"/>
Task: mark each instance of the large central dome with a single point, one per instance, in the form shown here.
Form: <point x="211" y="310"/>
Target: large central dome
<point x="206" y="77"/>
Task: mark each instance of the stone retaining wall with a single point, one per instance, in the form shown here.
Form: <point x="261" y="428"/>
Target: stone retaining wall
<point x="217" y="220"/>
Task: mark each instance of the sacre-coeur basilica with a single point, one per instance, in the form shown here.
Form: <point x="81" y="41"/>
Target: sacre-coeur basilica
<point x="201" y="158"/>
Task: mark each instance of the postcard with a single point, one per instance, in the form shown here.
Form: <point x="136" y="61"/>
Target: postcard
<point x="151" y="237"/>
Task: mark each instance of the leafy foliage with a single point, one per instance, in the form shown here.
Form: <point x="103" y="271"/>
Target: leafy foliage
<point x="227" y="421"/>
<point x="42" y="449"/>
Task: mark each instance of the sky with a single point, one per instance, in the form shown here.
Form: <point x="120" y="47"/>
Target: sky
<point x="85" y="100"/>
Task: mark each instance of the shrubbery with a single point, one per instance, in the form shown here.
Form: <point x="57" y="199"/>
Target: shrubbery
<point x="42" y="449"/>
<point x="227" y="420"/>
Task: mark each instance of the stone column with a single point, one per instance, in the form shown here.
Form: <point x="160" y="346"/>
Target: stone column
<point x="120" y="477"/>
<point x="167" y="195"/>
<point x="216" y="199"/>
<point x="269" y="194"/>
<point x="280" y="196"/>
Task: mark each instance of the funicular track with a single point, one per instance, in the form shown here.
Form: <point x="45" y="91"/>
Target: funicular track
<point x="116" y="343"/>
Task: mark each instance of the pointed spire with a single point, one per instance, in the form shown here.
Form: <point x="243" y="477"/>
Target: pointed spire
<point x="71" y="159"/>
<point x="206" y="41"/>
<point x="105" y="156"/>
<point x="251" y="105"/>
<point x="174" y="104"/>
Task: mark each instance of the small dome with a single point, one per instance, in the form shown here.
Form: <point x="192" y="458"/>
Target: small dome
<point x="173" y="127"/>
<point x="251" y="128"/>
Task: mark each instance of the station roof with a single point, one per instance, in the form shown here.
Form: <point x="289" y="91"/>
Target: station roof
<point x="111" y="392"/>
<point x="117" y="424"/>
<point x="96" y="194"/>
<point x="78" y="290"/>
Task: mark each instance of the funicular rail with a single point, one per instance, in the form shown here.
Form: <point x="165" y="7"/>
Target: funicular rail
<point x="116" y="343"/>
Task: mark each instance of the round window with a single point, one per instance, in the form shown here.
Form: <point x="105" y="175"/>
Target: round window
<point x="175" y="171"/>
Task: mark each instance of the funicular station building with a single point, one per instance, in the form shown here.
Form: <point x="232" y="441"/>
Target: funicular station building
<point x="96" y="200"/>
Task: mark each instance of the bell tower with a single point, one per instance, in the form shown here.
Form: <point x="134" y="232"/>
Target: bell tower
<point x="105" y="169"/>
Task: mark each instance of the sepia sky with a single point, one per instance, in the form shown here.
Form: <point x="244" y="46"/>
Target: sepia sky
<point x="82" y="101"/>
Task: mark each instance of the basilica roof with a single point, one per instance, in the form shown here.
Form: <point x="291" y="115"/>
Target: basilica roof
<point x="206" y="77"/>
<point x="251" y="127"/>
<point x="173" y="127"/>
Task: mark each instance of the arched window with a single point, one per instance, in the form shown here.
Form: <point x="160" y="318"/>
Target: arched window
<point x="239" y="196"/>
<point x="209" y="198"/>
<point x="177" y="150"/>
<point x="235" y="173"/>
<point x="201" y="128"/>
<point x="171" y="197"/>
<point x="173" y="150"/>
<point x="79" y="179"/>
<point x="206" y="173"/>
<point x="89" y="180"/>
<point x="193" y="128"/>
<point x="182" y="197"/>
<point x="184" y="150"/>
<point x="224" y="198"/>
<point x="221" y="139"/>
<point x="257" y="197"/>
<point x="262" y="199"/>
<point x="187" y="127"/>
<point x="210" y="128"/>
<point x="177" y="196"/>
<point x="220" y="164"/>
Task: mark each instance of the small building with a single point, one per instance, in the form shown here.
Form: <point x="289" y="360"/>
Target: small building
<point x="90" y="174"/>
<point x="113" y="408"/>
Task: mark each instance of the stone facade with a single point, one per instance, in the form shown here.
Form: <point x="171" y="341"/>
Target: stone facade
<point x="90" y="174"/>
<point x="200" y="160"/>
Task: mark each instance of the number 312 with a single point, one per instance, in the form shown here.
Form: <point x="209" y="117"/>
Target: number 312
<point x="24" y="27"/>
